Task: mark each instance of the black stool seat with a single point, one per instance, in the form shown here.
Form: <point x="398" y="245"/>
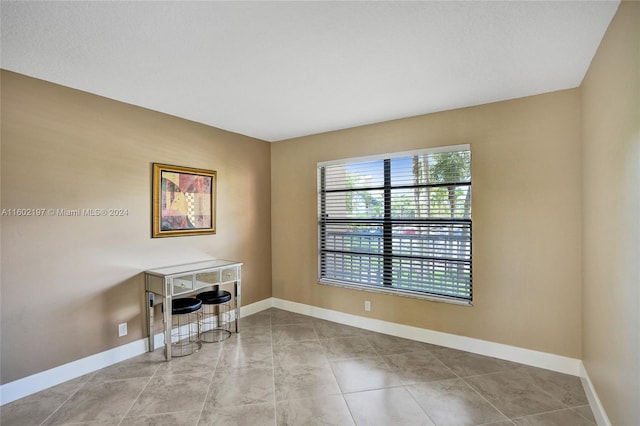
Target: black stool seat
<point x="214" y="297"/>
<point x="185" y="305"/>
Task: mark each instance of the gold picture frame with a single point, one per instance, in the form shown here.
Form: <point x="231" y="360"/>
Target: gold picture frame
<point x="184" y="201"/>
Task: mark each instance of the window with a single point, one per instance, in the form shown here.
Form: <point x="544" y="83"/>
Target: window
<point x="398" y="223"/>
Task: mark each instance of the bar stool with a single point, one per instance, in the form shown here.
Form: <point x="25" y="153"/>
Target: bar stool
<point x="184" y="326"/>
<point x="215" y="317"/>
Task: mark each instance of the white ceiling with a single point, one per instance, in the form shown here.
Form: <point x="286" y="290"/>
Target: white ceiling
<point x="277" y="70"/>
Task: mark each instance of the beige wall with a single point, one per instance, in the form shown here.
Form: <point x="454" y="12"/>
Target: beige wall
<point x="526" y="220"/>
<point x="611" y="213"/>
<point x="68" y="281"/>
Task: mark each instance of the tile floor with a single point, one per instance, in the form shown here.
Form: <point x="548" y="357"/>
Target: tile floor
<point x="290" y="369"/>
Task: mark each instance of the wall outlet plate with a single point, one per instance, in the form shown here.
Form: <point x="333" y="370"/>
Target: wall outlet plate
<point x="122" y="329"/>
<point x="367" y="305"/>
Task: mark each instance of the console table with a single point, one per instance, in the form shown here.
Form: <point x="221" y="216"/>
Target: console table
<point x="181" y="280"/>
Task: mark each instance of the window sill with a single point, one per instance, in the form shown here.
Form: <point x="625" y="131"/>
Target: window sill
<point x="397" y="292"/>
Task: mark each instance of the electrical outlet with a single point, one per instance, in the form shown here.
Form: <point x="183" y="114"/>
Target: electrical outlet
<point x="367" y="305"/>
<point x="122" y="329"/>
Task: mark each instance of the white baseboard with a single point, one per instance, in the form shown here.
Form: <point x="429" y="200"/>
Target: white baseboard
<point x="497" y="350"/>
<point x="256" y="307"/>
<point x="26" y="386"/>
<point x="40" y="381"/>
<point x="596" y="405"/>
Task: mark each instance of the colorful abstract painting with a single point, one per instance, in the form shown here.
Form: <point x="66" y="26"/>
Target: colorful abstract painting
<point x="184" y="201"/>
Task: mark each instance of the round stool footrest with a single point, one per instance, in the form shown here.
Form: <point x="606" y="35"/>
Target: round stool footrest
<point x="215" y="335"/>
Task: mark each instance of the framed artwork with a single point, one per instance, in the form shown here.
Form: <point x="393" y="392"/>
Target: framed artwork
<point x="184" y="201"/>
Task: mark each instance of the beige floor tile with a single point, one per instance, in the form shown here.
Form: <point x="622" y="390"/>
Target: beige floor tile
<point x="240" y="415"/>
<point x="513" y="393"/>
<point x="327" y="410"/>
<point x="454" y="402"/>
<point x="304" y="382"/>
<point x="328" y="330"/>
<point x="203" y="361"/>
<point x="565" y="417"/>
<point x="245" y="355"/>
<point x="418" y="367"/>
<point x="99" y="401"/>
<point x="355" y="375"/>
<point x="567" y="389"/>
<point x="586" y="412"/>
<point x="290" y="333"/>
<point x="259" y="319"/>
<point x="466" y="364"/>
<point x="306" y="353"/>
<point x="240" y="386"/>
<point x="393" y="406"/>
<point x="282" y="317"/>
<point x="171" y="393"/>
<point x="385" y="344"/>
<point x="251" y="335"/>
<point x="144" y="365"/>
<point x="96" y="423"/>
<point x="347" y="347"/>
<point x="181" y="418"/>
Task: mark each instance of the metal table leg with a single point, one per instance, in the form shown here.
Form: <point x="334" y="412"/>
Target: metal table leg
<point x="235" y="301"/>
<point x="167" y="328"/>
<point x="150" y="309"/>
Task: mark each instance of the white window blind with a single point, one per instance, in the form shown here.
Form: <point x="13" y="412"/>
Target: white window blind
<point x="400" y="222"/>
